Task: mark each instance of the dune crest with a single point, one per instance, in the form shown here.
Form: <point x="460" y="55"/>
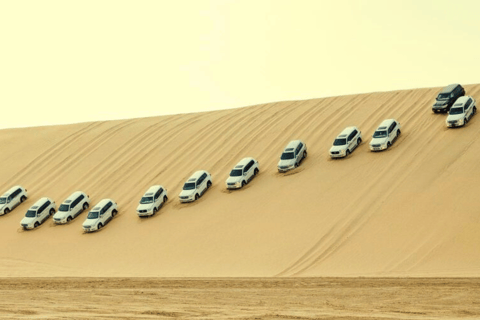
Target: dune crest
<point x="412" y="210"/>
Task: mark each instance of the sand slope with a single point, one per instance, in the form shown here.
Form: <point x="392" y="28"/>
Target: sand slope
<point x="413" y="210"/>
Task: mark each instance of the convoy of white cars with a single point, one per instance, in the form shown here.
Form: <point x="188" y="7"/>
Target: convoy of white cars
<point x="452" y="98"/>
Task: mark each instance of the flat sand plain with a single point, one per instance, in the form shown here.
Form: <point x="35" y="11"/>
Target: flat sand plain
<point x="261" y="298"/>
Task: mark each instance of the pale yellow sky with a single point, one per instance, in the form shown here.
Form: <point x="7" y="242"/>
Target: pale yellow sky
<point x="75" y="61"/>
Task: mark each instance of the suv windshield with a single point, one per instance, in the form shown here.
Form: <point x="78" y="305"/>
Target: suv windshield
<point x="236" y="173"/>
<point x="443" y="96"/>
<point x="340" y="142"/>
<point x="31" y="214"/>
<point x="287" y="156"/>
<point x="93" y="215"/>
<point x="64" y="207"/>
<point x="380" y="134"/>
<point x="146" y="200"/>
<point x="456" y="110"/>
<point x="189" y="186"/>
<point x="3" y="200"/>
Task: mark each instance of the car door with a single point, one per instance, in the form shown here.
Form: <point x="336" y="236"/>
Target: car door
<point x="391" y="131"/>
<point x="201" y="184"/>
<point x="103" y="216"/>
<point x="468" y="109"/>
<point x="249" y="170"/>
<point x="15" y="198"/>
<point x="156" y="198"/>
<point x="42" y="212"/>
<point x="350" y="140"/>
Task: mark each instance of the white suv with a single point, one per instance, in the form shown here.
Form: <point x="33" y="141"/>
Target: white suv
<point x="242" y="173"/>
<point x="38" y="213"/>
<point x="292" y="155"/>
<point x="75" y="204"/>
<point x="347" y="141"/>
<point x="385" y="135"/>
<point x="195" y="186"/>
<point x="152" y="201"/>
<point x="100" y="215"/>
<point x="462" y="110"/>
<point x="12" y="198"/>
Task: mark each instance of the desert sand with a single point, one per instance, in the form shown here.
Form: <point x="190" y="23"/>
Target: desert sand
<point x="410" y="211"/>
<point x="240" y="299"/>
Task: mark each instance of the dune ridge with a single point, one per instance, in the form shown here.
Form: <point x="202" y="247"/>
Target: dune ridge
<point x="412" y="210"/>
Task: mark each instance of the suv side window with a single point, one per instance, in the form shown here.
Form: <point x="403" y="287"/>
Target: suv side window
<point x="392" y="126"/>
<point x="15" y="193"/>
<point x="157" y="194"/>
<point x="467" y="105"/>
<point x="250" y="164"/>
<point x="46" y="204"/>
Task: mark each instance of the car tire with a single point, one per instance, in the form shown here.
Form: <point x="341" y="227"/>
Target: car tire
<point x="85" y="206"/>
<point x="154" y="211"/>
<point x="296" y="164"/>
<point x="196" y="196"/>
<point x="165" y="199"/>
<point x="36" y="225"/>
<point x="474" y="110"/>
<point x="99" y="226"/>
<point x="398" y="132"/>
<point x="389" y="144"/>
<point x="69" y="219"/>
<point x="209" y="184"/>
<point x="52" y="211"/>
<point x="359" y="140"/>
<point x="114" y="213"/>
<point x="243" y="183"/>
<point x="347" y="153"/>
<point x="255" y="172"/>
<point x="6" y="211"/>
<point x="23" y="198"/>
<point x="305" y="154"/>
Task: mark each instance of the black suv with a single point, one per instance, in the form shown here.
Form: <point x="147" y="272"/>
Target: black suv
<point x="447" y="97"/>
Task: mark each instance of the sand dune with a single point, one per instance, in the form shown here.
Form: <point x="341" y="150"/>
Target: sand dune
<point x="410" y="211"/>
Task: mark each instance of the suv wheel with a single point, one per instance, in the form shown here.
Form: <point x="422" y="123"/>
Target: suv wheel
<point x="52" y="211"/>
<point x="114" y="213"/>
<point x="23" y="198"/>
<point x="196" y="196"/>
<point x="359" y="140"/>
<point x="99" y="226"/>
<point x="474" y="110"/>
<point x="243" y="183"/>
<point x="36" y="224"/>
<point x="85" y="206"/>
<point x="209" y="184"/>
<point x="165" y="199"/>
<point x="304" y="154"/>
<point x="6" y="211"/>
<point x="69" y="219"/>
<point x="347" y="153"/>
<point x="154" y="211"/>
<point x="389" y="144"/>
<point x="255" y="172"/>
